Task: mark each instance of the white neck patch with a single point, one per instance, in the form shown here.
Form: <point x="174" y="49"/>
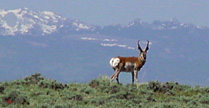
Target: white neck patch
<point x="142" y="57"/>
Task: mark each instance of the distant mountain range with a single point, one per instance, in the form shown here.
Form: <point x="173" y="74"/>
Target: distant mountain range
<point x="28" y="22"/>
<point x="71" y="50"/>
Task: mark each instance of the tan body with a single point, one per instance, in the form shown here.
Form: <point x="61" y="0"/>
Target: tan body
<point x="128" y="64"/>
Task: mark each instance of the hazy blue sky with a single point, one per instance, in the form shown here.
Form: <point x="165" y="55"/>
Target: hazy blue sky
<point x="106" y="12"/>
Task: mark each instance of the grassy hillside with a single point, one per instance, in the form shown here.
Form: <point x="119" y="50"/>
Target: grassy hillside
<point x="38" y="92"/>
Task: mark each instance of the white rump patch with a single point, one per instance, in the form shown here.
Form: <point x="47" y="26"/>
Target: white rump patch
<point x="114" y="62"/>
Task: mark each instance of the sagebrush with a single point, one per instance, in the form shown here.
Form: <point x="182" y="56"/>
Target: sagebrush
<point x="38" y="92"/>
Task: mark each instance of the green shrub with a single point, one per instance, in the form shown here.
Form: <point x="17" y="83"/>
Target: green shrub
<point x="204" y="99"/>
<point x="166" y="88"/>
<point x="73" y="96"/>
<point x="16" y="97"/>
<point x="192" y="104"/>
<point x="62" y="106"/>
<point x="185" y="99"/>
<point x="123" y="94"/>
<point x="167" y="105"/>
<point x="52" y="84"/>
<point x="1" y="89"/>
<point x="101" y="83"/>
<point x="154" y="85"/>
<point x="114" y="88"/>
<point x="45" y="105"/>
<point x="33" y="79"/>
<point x="98" y="101"/>
<point x="88" y="90"/>
<point x="204" y="90"/>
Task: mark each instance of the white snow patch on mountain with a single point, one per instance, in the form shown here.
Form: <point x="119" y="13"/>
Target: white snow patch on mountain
<point x="48" y="29"/>
<point x="110" y="40"/>
<point x="88" y="38"/>
<point x="80" y="26"/>
<point x="108" y="44"/>
<point x="117" y="45"/>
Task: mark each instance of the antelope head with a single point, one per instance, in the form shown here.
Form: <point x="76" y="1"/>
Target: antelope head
<point x="143" y="53"/>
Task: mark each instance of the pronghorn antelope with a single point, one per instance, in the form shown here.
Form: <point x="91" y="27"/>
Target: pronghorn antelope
<point x="129" y="64"/>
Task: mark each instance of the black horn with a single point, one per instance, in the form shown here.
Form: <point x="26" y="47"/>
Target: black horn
<point x="147" y="46"/>
<point x="139" y="48"/>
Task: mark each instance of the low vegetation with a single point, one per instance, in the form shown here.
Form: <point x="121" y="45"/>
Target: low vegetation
<point x="38" y="92"/>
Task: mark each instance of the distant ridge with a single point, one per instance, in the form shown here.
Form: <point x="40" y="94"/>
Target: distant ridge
<point x="28" y="22"/>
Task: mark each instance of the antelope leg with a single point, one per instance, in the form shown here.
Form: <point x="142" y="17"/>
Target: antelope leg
<point x="117" y="78"/>
<point x="136" y="76"/>
<point x="132" y="77"/>
<point x="114" y="75"/>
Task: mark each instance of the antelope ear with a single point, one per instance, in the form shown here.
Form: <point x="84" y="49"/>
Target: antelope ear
<point x="147" y="48"/>
<point x="139" y="48"/>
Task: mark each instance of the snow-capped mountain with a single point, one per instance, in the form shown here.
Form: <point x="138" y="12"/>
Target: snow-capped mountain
<point x="28" y="22"/>
<point x="25" y="21"/>
<point x="163" y="25"/>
